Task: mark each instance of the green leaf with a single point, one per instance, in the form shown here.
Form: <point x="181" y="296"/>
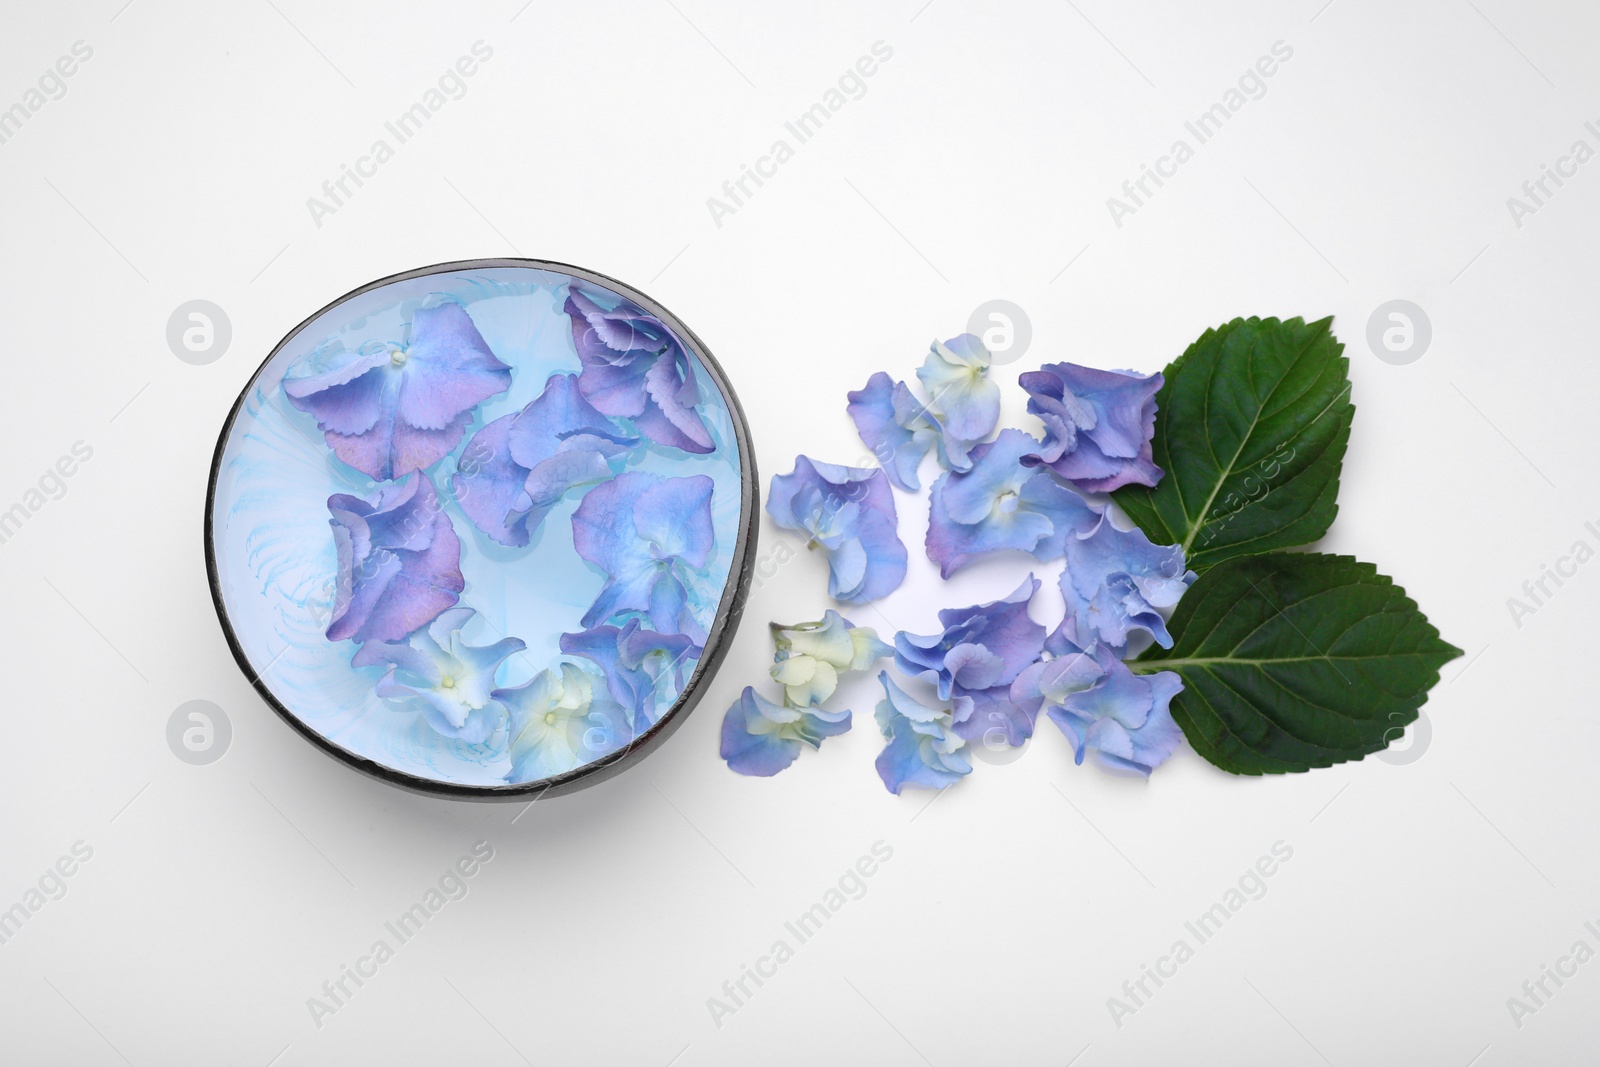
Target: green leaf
<point x="1251" y="428"/>
<point x="1296" y="660"/>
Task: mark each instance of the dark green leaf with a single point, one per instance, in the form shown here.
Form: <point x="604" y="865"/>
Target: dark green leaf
<point x="1251" y="428"/>
<point x="1297" y="660"/>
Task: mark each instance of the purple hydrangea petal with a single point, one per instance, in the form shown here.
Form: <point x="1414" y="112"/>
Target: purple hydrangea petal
<point x="849" y="513"/>
<point x="491" y="487"/>
<point x="643" y="670"/>
<point x="633" y="367"/>
<point x="983" y="646"/>
<point x="924" y="749"/>
<point x="1098" y="424"/>
<point x="895" y="426"/>
<point x="996" y="720"/>
<point x="1114" y="584"/>
<point x="399" y="561"/>
<point x="447" y="370"/>
<point x="391" y="409"/>
<point x="649" y="535"/>
<point x="1125" y="717"/>
<point x="754" y="741"/>
<point x="1001" y="505"/>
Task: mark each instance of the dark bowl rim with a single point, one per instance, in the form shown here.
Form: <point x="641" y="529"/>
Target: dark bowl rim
<point x="718" y="638"/>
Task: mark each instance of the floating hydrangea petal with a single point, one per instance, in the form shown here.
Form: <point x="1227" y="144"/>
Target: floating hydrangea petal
<point x="1099" y="424"/>
<point x="1000" y="505"/>
<point x="924" y="750"/>
<point x="761" y="738"/>
<point x="896" y="426"/>
<point x="639" y="665"/>
<point x="650" y="535"/>
<point x="517" y="467"/>
<point x="558" y="722"/>
<point x="1114" y="584"/>
<point x="633" y="367"/>
<point x="436" y="673"/>
<point x="955" y="378"/>
<point x="399" y="561"/>
<point x="391" y="409"/>
<point x="849" y="513"/>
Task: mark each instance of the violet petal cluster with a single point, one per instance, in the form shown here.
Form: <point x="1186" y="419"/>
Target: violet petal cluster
<point x="635" y="368"/>
<point x="978" y="655"/>
<point x="641" y="667"/>
<point x="1099" y="424"/>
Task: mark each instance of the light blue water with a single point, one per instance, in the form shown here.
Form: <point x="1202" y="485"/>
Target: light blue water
<point x="275" y="556"/>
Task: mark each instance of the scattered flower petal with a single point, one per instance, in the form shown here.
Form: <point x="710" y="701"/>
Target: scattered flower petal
<point x="1100" y="704"/>
<point x="924" y="748"/>
<point x="955" y="377"/>
<point x="812" y="655"/>
<point x="761" y="738"/>
<point x="1098" y="424"/>
<point x="1001" y="505"/>
<point x="399" y="561"/>
<point x="896" y="426"/>
<point x="449" y="681"/>
<point x="849" y="513"/>
<point x="1115" y="583"/>
<point x="390" y="409"/>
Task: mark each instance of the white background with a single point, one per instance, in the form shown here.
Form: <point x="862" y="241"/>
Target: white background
<point x="1420" y="895"/>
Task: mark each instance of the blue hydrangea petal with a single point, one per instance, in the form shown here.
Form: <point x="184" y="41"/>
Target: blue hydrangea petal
<point x="996" y="718"/>
<point x="761" y="738"/>
<point x="1098" y="424"/>
<point x="955" y="378"/>
<point x="848" y="512"/>
<point x="1114" y="583"/>
<point x="893" y="424"/>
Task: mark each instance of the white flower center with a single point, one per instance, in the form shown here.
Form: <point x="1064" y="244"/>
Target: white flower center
<point x="447" y="682"/>
<point x="398" y="357"/>
<point x="550" y="718"/>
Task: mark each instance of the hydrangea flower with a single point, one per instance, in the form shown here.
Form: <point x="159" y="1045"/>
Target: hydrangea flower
<point x="390" y="409"/>
<point x="633" y="367"/>
<point x="517" y="467"/>
<point x="812" y="655"/>
<point x="761" y="738"/>
<point x="980" y="653"/>
<point x="1100" y="704"/>
<point x="649" y="535"/>
<point x="642" y="668"/>
<point x="849" y="513"/>
<point x="558" y="722"/>
<point x="1098" y="424"/>
<point x="1000" y="504"/>
<point x="896" y="426"/>
<point x="438" y="674"/>
<point x="955" y="377"/>
<point x="924" y="748"/>
<point x="1114" y="583"/>
<point x="399" y="561"/>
